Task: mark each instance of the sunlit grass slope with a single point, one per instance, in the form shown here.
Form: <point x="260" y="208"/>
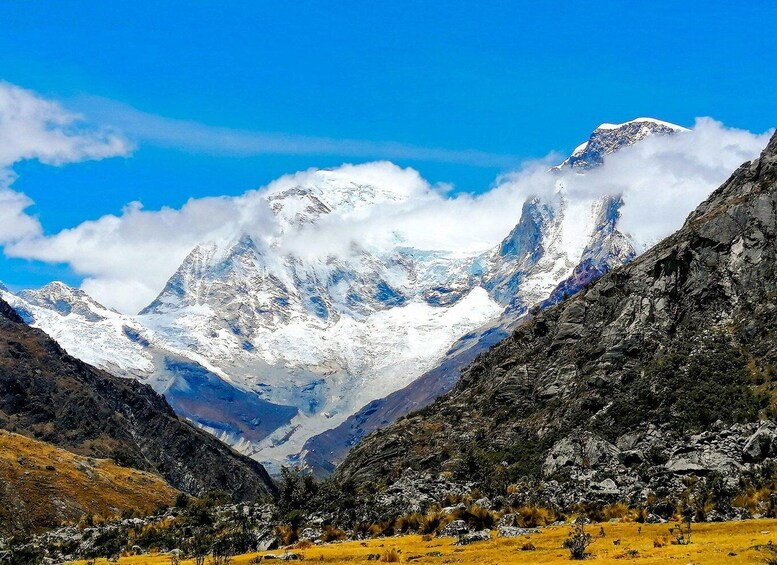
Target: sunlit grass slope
<point x="41" y="486"/>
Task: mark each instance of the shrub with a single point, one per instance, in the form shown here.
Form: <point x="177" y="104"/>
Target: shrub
<point x="182" y="500"/>
<point x="534" y="516"/>
<point x="476" y="517"/>
<point x="361" y="530"/>
<point x="431" y="522"/>
<point x="616" y="511"/>
<point x="286" y="534"/>
<point x="681" y="532"/>
<point x="382" y="529"/>
<point x="332" y="534"/>
<point x="578" y="540"/>
<point x="408" y="523"/>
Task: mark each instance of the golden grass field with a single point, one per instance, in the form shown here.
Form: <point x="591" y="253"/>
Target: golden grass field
<point x="727" y="542"/>
<point x="48" y="485"/>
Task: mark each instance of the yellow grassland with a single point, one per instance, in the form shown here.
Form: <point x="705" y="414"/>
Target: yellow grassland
<point x="714" y="543"/>
<point x="48" y="485"/>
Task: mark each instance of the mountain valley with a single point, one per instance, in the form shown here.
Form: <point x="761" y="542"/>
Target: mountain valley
<point x="292" y="358"/>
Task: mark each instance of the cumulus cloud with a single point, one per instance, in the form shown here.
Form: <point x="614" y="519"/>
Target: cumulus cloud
<point x="32" y="127"/>
<point x="127" y="258"/>
<point x="15" y="223"/>
<point x="662" y="179"/>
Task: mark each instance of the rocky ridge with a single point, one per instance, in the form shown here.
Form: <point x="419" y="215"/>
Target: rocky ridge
<point x="658" y="371"/>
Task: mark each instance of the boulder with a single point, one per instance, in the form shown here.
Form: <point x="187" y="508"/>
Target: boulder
<point x="514" y="532"/>
<point x="484" y="503"/>
<point x="310" y="534"/>
<point x="266" y="539"/>
<point x="472" y="537"/>
<point x="761" y="445"/>
<point x="455" y="529"/>
<point x="607" y="486"/>
<point x="584" y="450"/>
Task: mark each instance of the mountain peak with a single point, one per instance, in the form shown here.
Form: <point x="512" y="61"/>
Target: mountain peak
<point x="65" y="300"/>
<point x="608" y="138"/>
<point x="348" y="190"/>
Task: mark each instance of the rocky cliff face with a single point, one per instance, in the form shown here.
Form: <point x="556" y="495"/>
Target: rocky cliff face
<point x="660" y="369"/>
<point x="48" y="395"/>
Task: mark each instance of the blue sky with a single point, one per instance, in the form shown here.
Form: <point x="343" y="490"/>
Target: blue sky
<point x="511" y="81"/>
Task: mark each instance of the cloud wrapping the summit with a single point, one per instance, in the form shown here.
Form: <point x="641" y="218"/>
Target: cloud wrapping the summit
<point x="126" y="258"/>
<point x="663" y="178"/>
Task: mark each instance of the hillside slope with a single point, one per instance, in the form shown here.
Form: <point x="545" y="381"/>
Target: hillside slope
<point x="660" y="369"/>
<point x="42" y="486"/>
<point x="48" y="395"/>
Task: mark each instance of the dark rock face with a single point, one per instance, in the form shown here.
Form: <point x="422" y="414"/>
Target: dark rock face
<point x="50" y="396"/>
<point x="661" y="368"/>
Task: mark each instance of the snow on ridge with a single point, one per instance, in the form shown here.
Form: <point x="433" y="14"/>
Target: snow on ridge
<point x="608" y="138"/>
<point x="85" y="329"/>
<point x="608" y="126"/>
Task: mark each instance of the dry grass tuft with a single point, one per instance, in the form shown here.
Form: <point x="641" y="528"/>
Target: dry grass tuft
<point x="534" y="516"/>
<point x="332" y="534"/>
<point x="286" y="534"/>
<point x="390" y="556"/>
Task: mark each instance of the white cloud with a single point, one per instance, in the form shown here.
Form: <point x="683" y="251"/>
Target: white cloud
<point x="127" y="258"/>
<point x="663" y="179"/>
<point x="34" y="128"/>
<point x="15" y="223"/>
<point x="188" y="135"/>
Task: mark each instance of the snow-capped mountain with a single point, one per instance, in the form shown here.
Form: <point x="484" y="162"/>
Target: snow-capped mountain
<point x="608" y="138"/>
<point x="268" y="344"/>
